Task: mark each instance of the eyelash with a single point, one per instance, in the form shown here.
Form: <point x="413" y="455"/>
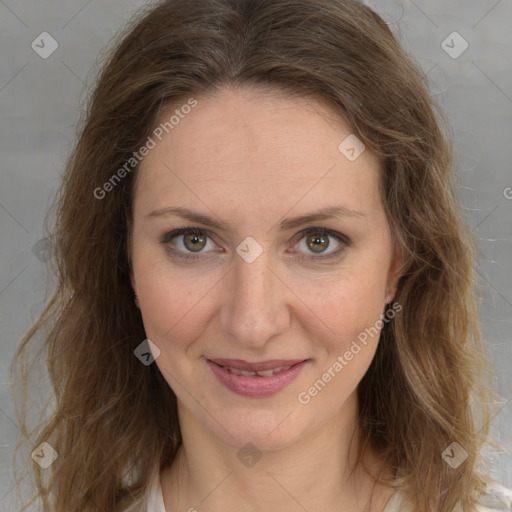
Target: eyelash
<point x="344" y="241"/>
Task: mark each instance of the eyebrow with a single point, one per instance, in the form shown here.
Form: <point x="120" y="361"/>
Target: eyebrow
<point x="319" y="215"/>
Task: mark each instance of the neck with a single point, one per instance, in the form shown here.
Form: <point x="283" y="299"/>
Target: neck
<point x="319" y="472"/>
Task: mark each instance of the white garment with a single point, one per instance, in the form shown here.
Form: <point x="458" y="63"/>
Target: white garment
<point x="155" y="498"/>
<point x="498" y="499"/>
<point x="395" y="505"/>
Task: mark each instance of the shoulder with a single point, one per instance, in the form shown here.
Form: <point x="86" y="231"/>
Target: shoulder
<point x="497" y="498"/>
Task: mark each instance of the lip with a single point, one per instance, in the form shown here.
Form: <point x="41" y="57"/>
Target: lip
<point x="256" y="367"/>
<point x="255" y="385"/>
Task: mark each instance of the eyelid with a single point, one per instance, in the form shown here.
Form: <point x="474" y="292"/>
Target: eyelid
<point x="324" y="231"/>
<point x="167" y="237"/>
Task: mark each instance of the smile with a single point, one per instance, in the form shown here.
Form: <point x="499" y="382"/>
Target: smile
<point x="256" y="379"/>
<point x="261" y="373"/>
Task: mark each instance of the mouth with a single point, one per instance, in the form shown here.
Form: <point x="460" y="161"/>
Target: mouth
<point x="263" y="368"/>
<point x="256" y="379"/>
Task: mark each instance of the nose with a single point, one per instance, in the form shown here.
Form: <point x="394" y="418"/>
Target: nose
<point x="257" y="303"/>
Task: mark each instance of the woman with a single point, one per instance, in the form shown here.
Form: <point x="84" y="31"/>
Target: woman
<point x="265" y="297"/>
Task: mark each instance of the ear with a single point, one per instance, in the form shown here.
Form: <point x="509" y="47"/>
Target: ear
<point x="135" y="297"/>
<point x="134" y="287"/>
<point x="396" y="269"/>
<point x="130" y="265"/>
<point x="132" y="281"/>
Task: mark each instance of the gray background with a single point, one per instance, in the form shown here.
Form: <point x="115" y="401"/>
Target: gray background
<point x="40" y="102"/>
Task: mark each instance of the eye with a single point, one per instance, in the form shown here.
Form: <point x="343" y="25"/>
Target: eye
<point x="317" y="241"/>
<point x="188" y="242"/>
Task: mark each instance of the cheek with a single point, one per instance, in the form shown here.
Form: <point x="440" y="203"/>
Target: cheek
<point x="353" y="303"/>
<point x="354" y="315"/>
<point x="173" y="307"/>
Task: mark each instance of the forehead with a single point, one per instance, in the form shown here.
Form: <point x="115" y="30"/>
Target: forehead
<point x="255" y="145"/>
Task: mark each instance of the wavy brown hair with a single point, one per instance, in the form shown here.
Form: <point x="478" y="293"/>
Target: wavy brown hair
<point x="112" y="418"/>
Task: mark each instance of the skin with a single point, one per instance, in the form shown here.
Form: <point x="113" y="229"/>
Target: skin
<point x="251" y="159"/>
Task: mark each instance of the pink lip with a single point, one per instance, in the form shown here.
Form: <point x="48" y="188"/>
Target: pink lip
<point x="255" y="385"/>
<point x="256" y="367"/>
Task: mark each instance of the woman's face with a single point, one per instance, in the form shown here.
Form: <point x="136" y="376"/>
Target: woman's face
<point x="290" y="264"/>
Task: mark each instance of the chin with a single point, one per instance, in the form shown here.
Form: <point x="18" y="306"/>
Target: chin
<point x="267" y="431"/>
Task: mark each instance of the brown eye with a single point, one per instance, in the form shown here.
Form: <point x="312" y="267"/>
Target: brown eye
<point x="194" y="242"/>
<point x="188" y="242"/>
<point x="317" y="243"/>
